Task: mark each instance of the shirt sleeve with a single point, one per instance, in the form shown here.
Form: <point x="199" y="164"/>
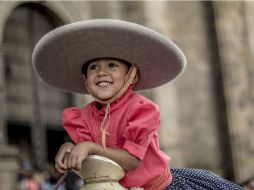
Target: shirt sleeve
<point x="74" y="125"/>
<point x="143" y="124"/>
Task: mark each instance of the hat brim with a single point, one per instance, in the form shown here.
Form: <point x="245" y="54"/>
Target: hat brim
<point x="59" y="56"/>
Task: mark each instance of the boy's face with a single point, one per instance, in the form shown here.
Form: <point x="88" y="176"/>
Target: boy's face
<point x="105" y="77"/>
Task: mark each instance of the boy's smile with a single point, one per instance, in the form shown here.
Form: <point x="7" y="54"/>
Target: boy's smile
<point x="105" y="77"/>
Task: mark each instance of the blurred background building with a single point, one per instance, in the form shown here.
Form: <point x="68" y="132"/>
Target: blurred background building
<point x="207" y="114"/>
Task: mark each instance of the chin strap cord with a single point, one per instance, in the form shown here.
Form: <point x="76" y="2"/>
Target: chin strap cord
<point x="104" y="126"/>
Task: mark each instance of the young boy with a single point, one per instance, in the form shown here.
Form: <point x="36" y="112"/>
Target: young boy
<point x="109" y="59"/>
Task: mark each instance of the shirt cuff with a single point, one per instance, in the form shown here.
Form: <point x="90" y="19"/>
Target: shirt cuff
<point x="135" y="149"/>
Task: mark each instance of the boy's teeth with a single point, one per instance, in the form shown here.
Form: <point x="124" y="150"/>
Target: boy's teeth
<point x="103" y="83"/>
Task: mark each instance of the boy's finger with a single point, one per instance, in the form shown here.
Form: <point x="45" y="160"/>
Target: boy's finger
<point x="65" y="161"/>
<point x="73" y="162"/>
<point x="60" y="162"/>
<point x="60" y="151"/>
<point x="63" y="150"/>
<point x="69" y="161"/>
<point x="78" y="164"/>
<point x="60" y="155"/>
<point x="68" y="150"/>
<point x="69" y="147"/>
<point x="59" y="169"/>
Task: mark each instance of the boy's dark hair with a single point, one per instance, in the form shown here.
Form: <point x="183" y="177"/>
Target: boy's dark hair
<point x="86" y="64"/>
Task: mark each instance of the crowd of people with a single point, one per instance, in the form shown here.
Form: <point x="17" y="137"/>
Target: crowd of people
<point x="29" y="178"/>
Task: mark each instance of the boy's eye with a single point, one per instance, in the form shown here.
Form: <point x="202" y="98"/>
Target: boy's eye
<point x="112" y="65"/>
<point x="92" y="67"/>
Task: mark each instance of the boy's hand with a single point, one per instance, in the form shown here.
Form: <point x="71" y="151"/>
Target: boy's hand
<point x="78" y="154"/>
<point x="62" y="157"/>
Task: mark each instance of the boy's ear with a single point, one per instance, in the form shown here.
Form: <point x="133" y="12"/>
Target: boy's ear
<point x="84" y="77"/>
<point x="85" y="81"/>
<point x="136" y="79"/>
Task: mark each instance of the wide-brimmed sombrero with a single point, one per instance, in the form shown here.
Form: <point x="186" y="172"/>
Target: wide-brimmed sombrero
<point x="59" y="56"/>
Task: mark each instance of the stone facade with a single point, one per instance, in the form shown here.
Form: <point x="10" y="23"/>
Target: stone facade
<point x="207" y="113"/>
<point x="236" y="58"/>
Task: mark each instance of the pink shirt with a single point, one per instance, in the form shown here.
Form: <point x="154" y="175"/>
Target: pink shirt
<point x="134" y="124"/>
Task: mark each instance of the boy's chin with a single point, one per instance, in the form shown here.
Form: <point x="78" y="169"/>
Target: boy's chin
<point x="104" y="98"/>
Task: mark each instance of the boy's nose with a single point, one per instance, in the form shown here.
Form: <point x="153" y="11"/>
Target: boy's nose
<point x="102" y="72"/>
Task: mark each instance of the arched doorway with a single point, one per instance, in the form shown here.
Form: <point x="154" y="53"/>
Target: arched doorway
<point x="33" y="107"/>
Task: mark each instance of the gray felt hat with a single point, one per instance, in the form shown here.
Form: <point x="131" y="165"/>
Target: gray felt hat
<point x="59" y="55"/>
